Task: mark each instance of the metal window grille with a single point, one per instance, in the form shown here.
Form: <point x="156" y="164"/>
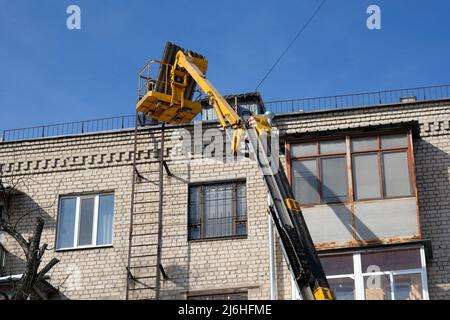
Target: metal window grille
<point x="217" y="211"/>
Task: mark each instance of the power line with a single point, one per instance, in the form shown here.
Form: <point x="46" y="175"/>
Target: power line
<point x="292" y="42"/>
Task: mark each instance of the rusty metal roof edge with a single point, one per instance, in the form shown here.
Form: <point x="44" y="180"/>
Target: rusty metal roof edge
<point x="412" y="124"/>
<point x="426" y="243"/>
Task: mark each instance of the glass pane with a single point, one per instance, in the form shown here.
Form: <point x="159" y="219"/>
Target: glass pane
<point x="66" y="223"/>
<point x="333" y="146"/>
<point x="218" y="217"/>
<point x="334" y="179"/>
<point x="364" y="144"/>
<point x="408" y="287"/>
<point x="335" y="265"/>
<point x="194" y="232"/>
<point x="105" y="219"/>
<point x="377" y="287"/>
<point x="227" y="219"/>
<point x="86" y="222"/>
<point x="343" y="288"/>
<point x="391" y="260"/>
<point x="209" y="210"/>
<point x="241" y="209"/>
<point x="305" y="181"/>
<point x="366" y="175"/>
<point x="394" y="141"/>
<point x="194" y="205"/>
<point x="304" y="149"/>
<point x="396" y="174"/>
<point x="241" y="201"/>
<point x="241" y="228"/>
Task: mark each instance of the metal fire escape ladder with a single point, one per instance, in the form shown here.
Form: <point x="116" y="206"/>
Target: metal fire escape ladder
<point x="144" y="269"/>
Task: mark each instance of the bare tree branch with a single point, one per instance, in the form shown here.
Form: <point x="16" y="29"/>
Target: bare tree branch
<point x="47" y="268"/>
<point x="28" y="284"/>
<point x="9" y="229"/>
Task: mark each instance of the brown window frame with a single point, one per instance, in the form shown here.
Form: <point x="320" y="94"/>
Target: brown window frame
<point x="351" y="197"/>
<point x="235" y="220"/>
<point x="318" y="157"/>
<point x="379" y="152"/>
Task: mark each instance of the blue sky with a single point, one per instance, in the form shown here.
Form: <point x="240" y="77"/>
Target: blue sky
<point x="49" y="74"/>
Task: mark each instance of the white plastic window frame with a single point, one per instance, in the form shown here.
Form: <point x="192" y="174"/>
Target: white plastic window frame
<point x="93" y="244"/>
<point x="358" y="275"/>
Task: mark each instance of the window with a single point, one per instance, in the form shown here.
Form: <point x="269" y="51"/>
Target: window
<point x="2" y="260"/>
<point x="85" y="221"/>
<point x="320" y="172"/>
<point x="220" y="296"/>
<point x="380" y="169"/>
<point x="2" y="250"/>
<point x="378" y="275"/>
<point x="217" y="210"/>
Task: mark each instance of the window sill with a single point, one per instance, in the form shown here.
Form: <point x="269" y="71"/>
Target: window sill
<point x="84" y="248"/>
<point x="218" y="239"/>
<point x="306" y="206"/>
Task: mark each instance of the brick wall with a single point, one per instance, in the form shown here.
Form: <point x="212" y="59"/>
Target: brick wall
<point x="103" y="162"/>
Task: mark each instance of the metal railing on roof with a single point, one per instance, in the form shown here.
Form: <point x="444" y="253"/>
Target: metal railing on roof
<point x="359" y="99"/>
<point x="281" y="106"/>
<point x="70" y="128"/>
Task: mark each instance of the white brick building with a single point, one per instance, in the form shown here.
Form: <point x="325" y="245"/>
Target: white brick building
<point x="373" y="183"/>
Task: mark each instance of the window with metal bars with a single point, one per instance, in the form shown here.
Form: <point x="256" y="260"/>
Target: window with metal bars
<point x="217" y="210"/>
<point x="2" y="260"/>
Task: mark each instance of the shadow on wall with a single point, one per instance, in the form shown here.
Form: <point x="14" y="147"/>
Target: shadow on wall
<point x="280" y="264"/>
<point x="178" y="274"/>
<point x="25" y="211"/>
<point x="176" y="269"/>
<point x="13" y="264"/>
<point x="362" y="229"/>
<point x="433" y="188"/>
<point x="24" y="214"/>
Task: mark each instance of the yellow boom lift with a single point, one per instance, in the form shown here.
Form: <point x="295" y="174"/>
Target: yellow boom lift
<point x="169" y="98"/>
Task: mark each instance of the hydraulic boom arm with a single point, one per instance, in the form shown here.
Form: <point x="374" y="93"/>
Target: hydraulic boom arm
<point x="172" y="106"/>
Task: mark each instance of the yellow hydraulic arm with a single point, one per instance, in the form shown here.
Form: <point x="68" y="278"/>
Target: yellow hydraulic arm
<point x="171" y="105"/>
<point x="224" y="111"/>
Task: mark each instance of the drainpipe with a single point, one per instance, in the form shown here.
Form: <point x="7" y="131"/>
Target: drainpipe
<point x="272" y="271"/>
